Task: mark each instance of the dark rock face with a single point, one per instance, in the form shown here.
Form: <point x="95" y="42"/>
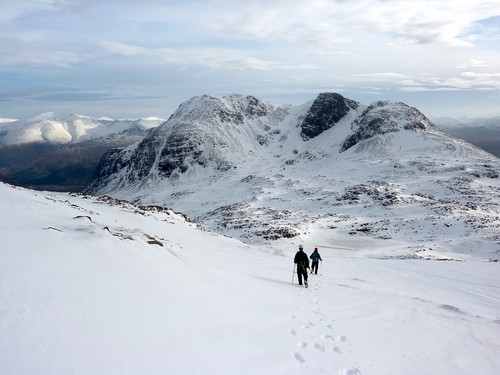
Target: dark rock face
<point x="110" y="163"/>
<point x="384" y="117"/>
<point x="327" y="110"/>
<point x="187" y="146"/>
<point x="133" y="166"/>
<point x="143" y="159"/>
<point x="255" y="108"/>
<point x="179" y="147"/>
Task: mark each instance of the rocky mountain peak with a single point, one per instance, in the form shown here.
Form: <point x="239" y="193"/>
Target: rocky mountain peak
<point x="384" y="117"/>
<point x="325" y="112"/>
<point x="205" y="130"/>
<point x="233" y="108"/>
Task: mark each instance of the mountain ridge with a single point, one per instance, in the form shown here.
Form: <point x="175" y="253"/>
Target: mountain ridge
<point x="242" y="167"/>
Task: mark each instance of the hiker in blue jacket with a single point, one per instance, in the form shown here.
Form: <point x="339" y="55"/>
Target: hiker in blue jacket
<point x="315" y="257"/>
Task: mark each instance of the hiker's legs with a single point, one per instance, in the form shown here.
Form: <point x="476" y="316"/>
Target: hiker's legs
<point x="299" y="274"/>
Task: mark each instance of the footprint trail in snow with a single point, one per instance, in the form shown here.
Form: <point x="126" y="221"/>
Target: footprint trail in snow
<point x="314" y="340"/>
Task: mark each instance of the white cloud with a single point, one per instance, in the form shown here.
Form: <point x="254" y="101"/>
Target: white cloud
<point x="18" y="8"/>
<point x="123" y="48"/>
<point x="322" y="22"/>
<point x="280" y="46"/>
<point x="18" y="52"/>
<point x="472" y="63"/>
<point x="215" y="58"/>
<point x="476" y="75"/>
<point x="380" y="77"/>
<point x="463" y="81"/>
<point x="417" y="89"/>
<point x="451" y="81"/>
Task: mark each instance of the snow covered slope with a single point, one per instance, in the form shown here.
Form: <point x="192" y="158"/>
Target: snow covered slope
<point x="97" y="286"/>
<point x="258" y="171"/>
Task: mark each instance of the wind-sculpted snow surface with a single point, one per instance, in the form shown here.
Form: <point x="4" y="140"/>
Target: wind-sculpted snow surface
<point x="99" y="286"/>
<point x="259" y="172"/>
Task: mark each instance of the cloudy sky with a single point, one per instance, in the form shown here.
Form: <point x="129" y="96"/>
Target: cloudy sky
<point x="135" y="58"/>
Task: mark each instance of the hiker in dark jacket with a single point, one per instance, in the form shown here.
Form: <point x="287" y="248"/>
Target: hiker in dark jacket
<point x="315" y="257"/>
<point x="302" y="262"/>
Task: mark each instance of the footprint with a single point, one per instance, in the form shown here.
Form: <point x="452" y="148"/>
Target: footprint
<point x="302" y="344"/>
<point x="299" y="358"/>
<point x="320" y="347"/>
<point x="343" y="338"/>
<point x="292" y="332"/>
<point x="327" y="337"/>
<point x="337" y="350"/>
<point x="350" y="371"/>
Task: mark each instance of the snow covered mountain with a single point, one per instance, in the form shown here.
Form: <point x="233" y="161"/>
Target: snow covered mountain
<point x="49" y="128"/>
<point x="47" y="152"/>
<point x="260" y="171"/>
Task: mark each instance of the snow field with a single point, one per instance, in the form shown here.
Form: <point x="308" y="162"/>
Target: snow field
<point x="154" y="294"/>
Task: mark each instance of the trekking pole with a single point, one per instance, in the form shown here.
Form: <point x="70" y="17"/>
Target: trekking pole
<point x="321" y="269"/>
<point x="293" y="275"/>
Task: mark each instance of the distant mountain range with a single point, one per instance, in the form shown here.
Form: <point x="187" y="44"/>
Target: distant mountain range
<point x="483" y="132"/>
<point x="260" y="171"/>
<point x="53" y="153"/>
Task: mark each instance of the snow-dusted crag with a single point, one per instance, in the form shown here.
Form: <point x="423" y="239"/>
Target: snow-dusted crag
<point x="204" y="132"/>
<point x="257" y="170"/>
